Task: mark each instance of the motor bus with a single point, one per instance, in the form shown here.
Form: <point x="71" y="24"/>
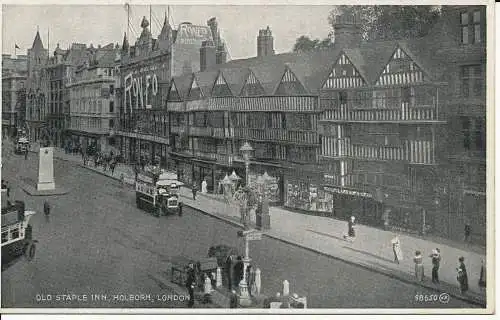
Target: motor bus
<point x="158" y="195"/>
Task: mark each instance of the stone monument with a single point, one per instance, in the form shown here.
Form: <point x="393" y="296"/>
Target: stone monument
<point x="46" y="169"/>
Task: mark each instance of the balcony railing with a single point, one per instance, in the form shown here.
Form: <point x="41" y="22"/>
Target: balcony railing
<point x="284" y="135"/>
<point x="201" y="131"/>
<point x="412" y="151"/>
<point x="404" y="113"/>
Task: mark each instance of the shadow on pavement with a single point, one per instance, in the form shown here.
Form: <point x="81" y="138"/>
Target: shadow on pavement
<point x="368" y="254"/>
<point x="326" y="235"/>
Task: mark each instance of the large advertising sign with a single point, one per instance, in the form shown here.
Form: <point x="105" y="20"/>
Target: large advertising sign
<point x="191" y="34"/>
<point x="141" y="87"/>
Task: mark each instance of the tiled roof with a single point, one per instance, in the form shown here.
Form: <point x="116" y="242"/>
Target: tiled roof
<point x="312" y="68"/>
<point x="182" y="83"/>
<point x="235" y="78"/>
<point x="205" y="81"/>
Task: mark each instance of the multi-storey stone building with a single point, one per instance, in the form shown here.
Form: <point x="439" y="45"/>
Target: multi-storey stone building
<point x="14" y="75"/>
<point x="93" y="114"/>
<point x="145" y="73"/>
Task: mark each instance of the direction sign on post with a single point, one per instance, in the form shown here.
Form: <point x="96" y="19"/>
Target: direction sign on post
<point x="254" y="236"/>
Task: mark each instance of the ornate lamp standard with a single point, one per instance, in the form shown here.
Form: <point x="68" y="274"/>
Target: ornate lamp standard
<point x="246" y="150"/>
<point x="244" y="297"/>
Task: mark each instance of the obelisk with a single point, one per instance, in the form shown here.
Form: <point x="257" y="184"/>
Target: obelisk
<point x="46" y="169"/>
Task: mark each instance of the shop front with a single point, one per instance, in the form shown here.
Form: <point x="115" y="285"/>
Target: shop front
<point x="267" y="179"/>
<point x="360" y="204"/>
<point x="203" y="171"/>
<point x="305" y="192"/>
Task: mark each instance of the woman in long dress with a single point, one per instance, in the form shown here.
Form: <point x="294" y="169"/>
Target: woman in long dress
<point x="462" y="276"/>
<point x="419" y="266"/>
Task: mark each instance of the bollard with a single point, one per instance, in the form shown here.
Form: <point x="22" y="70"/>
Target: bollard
<point x="286" y="288"/>
<point x="218" y="282"/>
<point x="258" y="283"/>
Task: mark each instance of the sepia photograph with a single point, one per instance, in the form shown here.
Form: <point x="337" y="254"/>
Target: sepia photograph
<point x="246" y="158"/>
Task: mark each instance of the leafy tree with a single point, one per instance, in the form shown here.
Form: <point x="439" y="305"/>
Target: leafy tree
<point x="391" y="22"/>
<point x="304" y="43"/>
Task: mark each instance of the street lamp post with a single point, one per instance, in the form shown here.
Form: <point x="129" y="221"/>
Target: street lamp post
<point x="246" y="151"/>
<point x="244" y="297"/>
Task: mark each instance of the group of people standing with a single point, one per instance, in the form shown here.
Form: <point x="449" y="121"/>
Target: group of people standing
<point x="462" y="277"/>
<point x="435" y="256"/>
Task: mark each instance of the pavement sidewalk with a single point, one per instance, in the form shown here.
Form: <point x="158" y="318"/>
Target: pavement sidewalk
<point x="372" y="248"/>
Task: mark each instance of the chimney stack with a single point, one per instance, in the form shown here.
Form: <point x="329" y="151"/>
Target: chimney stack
<point x="207" y="55"/>
<point x="347" y="31"/>
<point x="265" y="43"/>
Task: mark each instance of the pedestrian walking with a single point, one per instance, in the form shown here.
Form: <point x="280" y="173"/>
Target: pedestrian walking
<point x="482" y="275"/>
<point x="112" y="167"/>
<point x="46" y="207"/>
<point x="467" y="231"/>
<point x="190" y="283"/>
<point x="194" y="189"/>
<point x="396" y="249"/>
<point x="419" y="266"/>
<point x="122" y="180"/>
<point x="238" y="271"/>
<point x="26" y="154"/>
<point x="351" y="233"/>
<point x="436" y="260"/>
<point x="180" y="209"/>
<point x="462" y="277"/>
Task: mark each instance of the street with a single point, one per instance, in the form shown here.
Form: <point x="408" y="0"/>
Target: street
<point x="97" y="242"/>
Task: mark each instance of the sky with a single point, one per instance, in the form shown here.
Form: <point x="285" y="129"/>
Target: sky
<point x="104" y="24"/>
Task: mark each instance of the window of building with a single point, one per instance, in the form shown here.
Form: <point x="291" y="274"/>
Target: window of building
<point x="111" y="106"/>
<point x="111" y="89"/>
<point x="343" y="97"/>
<point x="470" y="28"/>
<point x="472" y="81"/>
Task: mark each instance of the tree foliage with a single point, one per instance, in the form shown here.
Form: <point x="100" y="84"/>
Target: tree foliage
<point x="379" y="23"/>
<point x="391" y="22"/>
<point x="304" y="44"/>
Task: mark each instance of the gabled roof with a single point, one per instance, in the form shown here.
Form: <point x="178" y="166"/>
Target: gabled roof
<point x="313" y="69"/>
<point x="182" y="84"/>
<point x="205" y="81"/>
<point x="371" y="58"/>
<point x="235" y="78"/>
<point x="269" y="75"/>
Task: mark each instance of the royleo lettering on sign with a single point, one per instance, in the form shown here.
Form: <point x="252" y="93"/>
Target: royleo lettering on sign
<point x="191" y="34"/>
<point x="142" y="87"/>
